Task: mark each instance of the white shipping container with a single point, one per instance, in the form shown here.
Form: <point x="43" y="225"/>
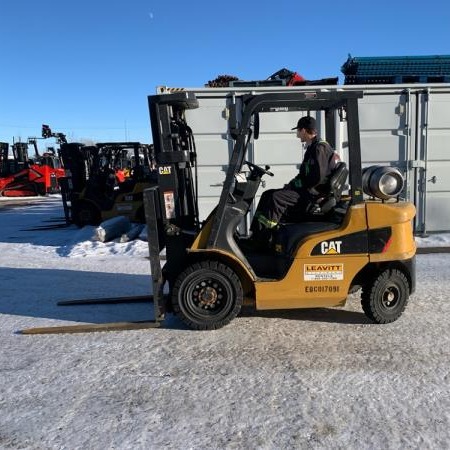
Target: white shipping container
<point x="406" y="126"/>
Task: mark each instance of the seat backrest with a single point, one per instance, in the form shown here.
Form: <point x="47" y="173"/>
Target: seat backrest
<point x="337" y="180"/>
<point x="336" y="183"/>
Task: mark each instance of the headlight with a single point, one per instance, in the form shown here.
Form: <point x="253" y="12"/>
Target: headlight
<point x="382" y="182"/>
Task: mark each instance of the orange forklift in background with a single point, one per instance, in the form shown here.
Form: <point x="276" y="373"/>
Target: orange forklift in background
<point x="25" y="176"/>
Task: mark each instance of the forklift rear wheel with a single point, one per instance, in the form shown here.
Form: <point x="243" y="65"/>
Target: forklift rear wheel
<point x="207" y="295"/>
<point x="386" y="298"/>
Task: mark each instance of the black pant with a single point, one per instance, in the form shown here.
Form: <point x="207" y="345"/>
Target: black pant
<point x="276" y="204"/>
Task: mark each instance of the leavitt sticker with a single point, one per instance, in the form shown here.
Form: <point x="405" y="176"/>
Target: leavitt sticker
<point x="323" y="272"/>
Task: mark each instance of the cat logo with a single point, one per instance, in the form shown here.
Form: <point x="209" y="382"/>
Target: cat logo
<point x="165" y="170"/>
<point x="330" y="247"/>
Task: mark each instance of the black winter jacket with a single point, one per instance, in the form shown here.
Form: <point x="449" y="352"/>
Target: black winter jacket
<point x="318" y="162"/>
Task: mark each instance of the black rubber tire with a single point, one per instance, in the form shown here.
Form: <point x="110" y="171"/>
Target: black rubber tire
<point x="386" y="298"/>
<point x="207" y="295"/>
<point x="85" y="213"/>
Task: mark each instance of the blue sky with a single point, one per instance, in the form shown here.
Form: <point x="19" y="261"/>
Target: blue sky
<point x="86" y="67"/>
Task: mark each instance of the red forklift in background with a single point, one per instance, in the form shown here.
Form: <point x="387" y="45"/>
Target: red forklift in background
<point x="25" y="176"/>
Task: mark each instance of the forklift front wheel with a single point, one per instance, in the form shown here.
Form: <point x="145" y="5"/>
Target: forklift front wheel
<point x="207" y="295"/>
<point x="386" y="298"/>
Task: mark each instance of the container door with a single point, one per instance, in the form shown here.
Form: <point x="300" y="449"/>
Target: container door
<point x="386" y="132"/>
<point x="389" y="135"/>
<point x="433" y="150"/>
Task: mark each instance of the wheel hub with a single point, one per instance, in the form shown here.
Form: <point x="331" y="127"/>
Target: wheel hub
<point x="207" y="296"/>
<point x="390" y="298"/>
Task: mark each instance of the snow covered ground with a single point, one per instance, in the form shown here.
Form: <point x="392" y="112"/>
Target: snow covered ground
<point x="324" y="378"/>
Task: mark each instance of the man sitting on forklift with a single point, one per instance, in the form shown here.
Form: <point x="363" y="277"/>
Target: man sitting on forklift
<point x="300" y="193"/>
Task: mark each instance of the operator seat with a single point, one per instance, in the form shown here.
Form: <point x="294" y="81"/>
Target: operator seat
<point x="319" y="217"/>
<point x="336" y="185"/>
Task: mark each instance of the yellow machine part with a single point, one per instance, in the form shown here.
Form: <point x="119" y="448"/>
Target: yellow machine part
<point x="127" y="203"/>
<point x="399" y="217"/>
<point x="325" y="280"/>
<point x="311" y="283"/>
<point x="202" y="237"/>
<point x="316" y="281"/>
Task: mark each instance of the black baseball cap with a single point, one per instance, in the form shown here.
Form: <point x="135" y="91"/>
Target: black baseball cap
<point x="307" y="122"/>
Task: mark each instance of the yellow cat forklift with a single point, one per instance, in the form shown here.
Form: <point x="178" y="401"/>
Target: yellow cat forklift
<point x="359" y="240"/>
<point x="357" y="236"/>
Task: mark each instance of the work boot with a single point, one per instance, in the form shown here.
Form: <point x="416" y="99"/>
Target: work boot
<point x="265" y="222"/>
<point x="261" y="240"/>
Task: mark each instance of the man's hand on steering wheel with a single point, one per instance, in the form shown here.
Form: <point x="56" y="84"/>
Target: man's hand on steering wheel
<point x="257" y="170"/>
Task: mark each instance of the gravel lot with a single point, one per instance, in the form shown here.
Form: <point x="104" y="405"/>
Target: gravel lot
<point x="323" y="378"/>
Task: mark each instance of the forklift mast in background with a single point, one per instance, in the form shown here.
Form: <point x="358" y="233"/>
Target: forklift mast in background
<point x="50" y="157"/>
<point x="20" y="154"/>
<point x="48" y="133"/>
<point x="45" y="134"/>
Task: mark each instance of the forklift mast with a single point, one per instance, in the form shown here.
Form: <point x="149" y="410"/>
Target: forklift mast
<point x="175" y="156"/>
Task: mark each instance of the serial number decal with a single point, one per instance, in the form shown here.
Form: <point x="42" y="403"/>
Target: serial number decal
<point x="323" y="272"/>
<point x="309" y="289"/>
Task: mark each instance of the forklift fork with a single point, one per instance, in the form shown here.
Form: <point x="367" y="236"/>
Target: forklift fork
<point x="157" y="298"/>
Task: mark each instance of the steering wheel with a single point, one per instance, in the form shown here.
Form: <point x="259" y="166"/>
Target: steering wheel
<point x="259" y="170"/>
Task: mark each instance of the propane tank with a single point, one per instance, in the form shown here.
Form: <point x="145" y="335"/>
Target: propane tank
<point x="382" y="182"/>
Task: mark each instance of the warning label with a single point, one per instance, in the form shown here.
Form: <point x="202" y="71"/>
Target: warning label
<point x="323" y="272"/>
